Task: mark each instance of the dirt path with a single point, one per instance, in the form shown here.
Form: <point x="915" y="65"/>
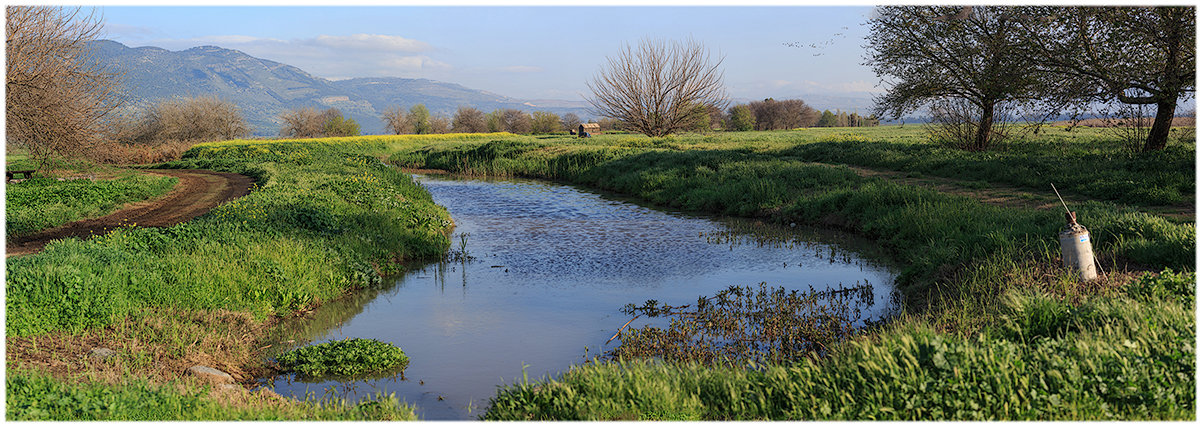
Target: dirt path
<point x="1002" y="195"/>
<point x="197" y="192"/>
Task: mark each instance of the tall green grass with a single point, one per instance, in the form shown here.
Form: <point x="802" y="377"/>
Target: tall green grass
<point x="33" y="396"/>
<point x="42" y="203"/>
<point x="1130" y="361"/>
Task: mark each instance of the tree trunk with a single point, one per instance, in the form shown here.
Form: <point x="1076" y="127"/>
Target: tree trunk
<point x="1161" y="129"/>
<point x="984" y="134"/>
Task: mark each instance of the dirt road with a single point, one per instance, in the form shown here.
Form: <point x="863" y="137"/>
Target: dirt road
<point x="197" y="192"/>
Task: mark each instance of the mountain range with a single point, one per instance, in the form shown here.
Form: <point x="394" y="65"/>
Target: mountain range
<point x="264" y="89"/>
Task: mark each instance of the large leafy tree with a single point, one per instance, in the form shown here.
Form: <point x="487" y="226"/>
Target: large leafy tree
<point x="927" y="54"/>
<point x="1136" y="55"/>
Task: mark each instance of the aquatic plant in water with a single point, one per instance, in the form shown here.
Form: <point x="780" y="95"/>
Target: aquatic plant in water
<point x="751" y="325"/>
<point x="346" y="358"/>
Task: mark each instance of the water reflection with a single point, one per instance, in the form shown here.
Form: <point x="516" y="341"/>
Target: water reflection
<point x="552" y="267"/>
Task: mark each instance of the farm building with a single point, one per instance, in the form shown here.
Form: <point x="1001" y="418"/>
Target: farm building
<point x="589" y="128"/>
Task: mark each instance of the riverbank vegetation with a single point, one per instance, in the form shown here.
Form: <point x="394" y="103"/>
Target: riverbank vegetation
<point x="346" y="358"/>
<point x="323" y="219"/>
<point x="987" y="304"/>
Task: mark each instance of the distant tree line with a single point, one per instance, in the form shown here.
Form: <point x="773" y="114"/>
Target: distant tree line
<point x="769" y="114"/>
<point x="417" y="120"/>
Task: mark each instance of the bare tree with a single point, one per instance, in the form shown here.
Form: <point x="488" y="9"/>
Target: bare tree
<point x="395" y="121"/>
<point x="516" y="121"/>
<point x="655" y="89"/>
<point x="786" y="114"/>
<point x="570" y="121"/>
<point x="469" y="120"/>
<point x="302" y="123"/>
<point x="439" y="124"/>
<point x="57" y="95"/>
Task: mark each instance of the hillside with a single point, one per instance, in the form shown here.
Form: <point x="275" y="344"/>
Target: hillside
<point x="264" y="89"/>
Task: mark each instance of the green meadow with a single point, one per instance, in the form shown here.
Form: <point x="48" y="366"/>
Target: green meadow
<point x="992" y="327"/>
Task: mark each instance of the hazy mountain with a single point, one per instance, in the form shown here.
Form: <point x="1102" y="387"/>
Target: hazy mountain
<point x="264" y="89"/>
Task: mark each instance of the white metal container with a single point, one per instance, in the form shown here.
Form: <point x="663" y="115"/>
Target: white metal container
<point x="1077" y="251"/>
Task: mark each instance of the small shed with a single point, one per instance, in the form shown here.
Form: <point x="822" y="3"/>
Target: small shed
<point x="588" y="129"/>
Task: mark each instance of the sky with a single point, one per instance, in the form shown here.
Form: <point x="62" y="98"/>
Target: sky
<point x="538" y="52"/>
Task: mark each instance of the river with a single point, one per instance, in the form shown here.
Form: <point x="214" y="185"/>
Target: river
<point x="553" y="265"/>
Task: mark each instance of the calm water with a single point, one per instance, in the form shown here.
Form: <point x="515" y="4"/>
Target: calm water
<point x="554" y="265"/>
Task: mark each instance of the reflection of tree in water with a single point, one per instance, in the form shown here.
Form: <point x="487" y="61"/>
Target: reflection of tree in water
<point x="826" y="244"/>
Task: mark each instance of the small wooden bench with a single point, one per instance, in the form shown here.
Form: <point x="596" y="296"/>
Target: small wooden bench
<point x="8" y="174"/>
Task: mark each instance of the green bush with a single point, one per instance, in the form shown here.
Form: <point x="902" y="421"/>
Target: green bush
<point x="346" y="358"/>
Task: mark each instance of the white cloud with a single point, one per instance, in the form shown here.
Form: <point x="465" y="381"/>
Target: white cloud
<point x="130" y="31"/>
<point x="413" y="63"/>
<point x="372" y="42"/>
<point x="331" y="56"/>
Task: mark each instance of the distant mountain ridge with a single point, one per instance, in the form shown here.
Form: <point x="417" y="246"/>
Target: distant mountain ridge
<point x="264" y="89"/>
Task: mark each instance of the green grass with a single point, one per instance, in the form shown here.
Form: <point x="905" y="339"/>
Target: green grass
<point x="1083" y="162"/>
<point x="344" y="358"/>
<point x="1130" y="361"/>
<point x="32" y="396"/>
<point x="987" y="333"/>
<point x="42" y="203"/>
<point x="325" y="219"/>
<point x="971" y="272"/>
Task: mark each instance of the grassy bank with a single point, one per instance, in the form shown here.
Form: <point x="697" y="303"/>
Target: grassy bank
<point x="44" y="202"/>
<point x="326" y="218"/>
<point x="971" y="269"/>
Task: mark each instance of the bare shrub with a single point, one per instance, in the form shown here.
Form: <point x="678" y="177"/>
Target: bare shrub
<point x="1130" y="124"/>
<point x="655" y="89"/>
<point x="191" y="120"/>
<point x="395" y="122"/>
<point x="469" y="120"/>
<point x="770" y="114"/>
<point x="302" y="123"/>
<point x="58" y="96"/>
<point x="516" y="121"/>
<point x="439" y="124"/>
<point x="956" y="123"/>
<point x="570" y="121"/>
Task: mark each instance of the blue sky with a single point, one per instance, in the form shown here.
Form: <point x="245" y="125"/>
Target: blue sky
<point x="523" y="52"/>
